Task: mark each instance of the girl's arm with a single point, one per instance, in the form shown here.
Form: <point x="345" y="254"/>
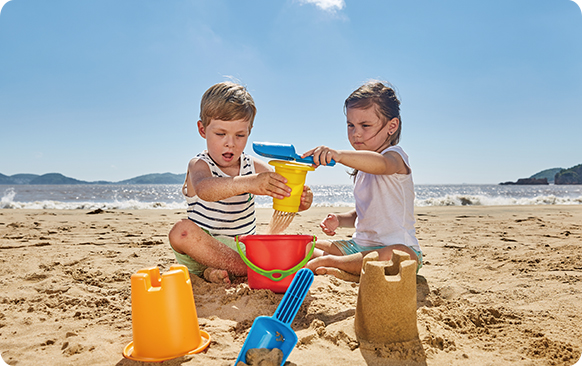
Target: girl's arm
<point x="200" y="182"/>
<point x="362" y="160"/>
<point x="334" y="221"/>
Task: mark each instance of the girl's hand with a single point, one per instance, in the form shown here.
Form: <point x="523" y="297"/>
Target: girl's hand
<point x="330" y="224"/>
<point x="269" y="184"/>
<point x="322" y="155"/>
<point x="306" y="198"/>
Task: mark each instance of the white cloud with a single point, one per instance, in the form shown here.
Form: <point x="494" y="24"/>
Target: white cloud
<point x="328" y="5"/>
<point x="2" y="3"/>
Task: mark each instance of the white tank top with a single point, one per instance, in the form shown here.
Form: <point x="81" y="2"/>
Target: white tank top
<point x="385" y="207"/>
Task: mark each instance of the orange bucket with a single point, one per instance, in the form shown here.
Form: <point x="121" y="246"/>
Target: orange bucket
<point x="273" y="260"/>
<point x="164" y="319"/>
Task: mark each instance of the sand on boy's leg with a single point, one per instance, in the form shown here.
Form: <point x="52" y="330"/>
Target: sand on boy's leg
<point x="187" y="238"/>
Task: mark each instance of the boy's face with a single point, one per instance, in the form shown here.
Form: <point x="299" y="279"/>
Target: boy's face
<point x="225" y="140"/>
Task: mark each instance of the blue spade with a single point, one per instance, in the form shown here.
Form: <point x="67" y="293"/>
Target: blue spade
<point x="275" y="332"/>
<point x="282" y="152"/>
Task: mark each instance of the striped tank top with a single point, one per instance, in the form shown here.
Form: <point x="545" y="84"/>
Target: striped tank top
<point x="229" y="217"/>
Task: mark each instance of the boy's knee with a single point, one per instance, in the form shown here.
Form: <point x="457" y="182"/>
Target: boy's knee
<point x="180" y="232"/>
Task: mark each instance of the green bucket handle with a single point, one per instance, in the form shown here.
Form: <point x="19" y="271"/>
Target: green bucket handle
<point x="282" y="273"/>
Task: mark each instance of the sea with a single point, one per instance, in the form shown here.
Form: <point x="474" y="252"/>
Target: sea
<point x="169" y="196"/>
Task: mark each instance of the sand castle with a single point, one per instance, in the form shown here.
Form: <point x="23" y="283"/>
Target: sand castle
<point x="386" y="307"/>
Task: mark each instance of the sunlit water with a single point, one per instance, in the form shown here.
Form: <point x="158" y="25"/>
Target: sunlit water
<point x="169" y="196"/>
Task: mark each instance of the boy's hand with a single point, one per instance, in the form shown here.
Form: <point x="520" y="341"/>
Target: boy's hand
<point x="330" y="224"/>
<point x="306" y="198"/>
<point x="322" y="155"/>
<point x="270" y="184"/>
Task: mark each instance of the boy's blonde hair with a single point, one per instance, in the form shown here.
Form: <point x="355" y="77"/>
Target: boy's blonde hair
<point x="227" y="101"/>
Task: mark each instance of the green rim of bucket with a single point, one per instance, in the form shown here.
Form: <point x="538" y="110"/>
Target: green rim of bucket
<point x="281" y="272"/>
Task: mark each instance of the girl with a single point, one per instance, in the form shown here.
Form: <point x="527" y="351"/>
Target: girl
<point x="383" y="190"/>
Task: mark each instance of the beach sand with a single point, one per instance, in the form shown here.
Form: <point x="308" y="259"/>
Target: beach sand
<point x="501" y="285"/>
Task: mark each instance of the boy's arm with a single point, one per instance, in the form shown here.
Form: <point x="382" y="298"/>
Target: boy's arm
<point x="204" y="185"/>
<point x="306" y="199"/>
<point x="362" y="160"/>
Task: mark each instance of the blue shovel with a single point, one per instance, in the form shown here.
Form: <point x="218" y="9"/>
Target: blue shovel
<point x="282" y="152"/>
<point x="275" y="332"/>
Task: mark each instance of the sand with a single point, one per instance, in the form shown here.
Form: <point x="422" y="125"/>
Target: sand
<point x="501" y="286"/>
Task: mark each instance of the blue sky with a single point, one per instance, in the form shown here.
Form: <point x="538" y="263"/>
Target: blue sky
<point x="107" y="90"/>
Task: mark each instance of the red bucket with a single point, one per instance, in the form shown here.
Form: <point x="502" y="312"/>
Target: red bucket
<point x="272" y="260"/>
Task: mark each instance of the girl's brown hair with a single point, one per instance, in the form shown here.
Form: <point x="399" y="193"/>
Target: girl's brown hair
<point x="377" y="94"/>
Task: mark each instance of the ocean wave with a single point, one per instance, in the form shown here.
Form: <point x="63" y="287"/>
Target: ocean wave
<point x="481" y="200"/>
<point x="120" y="205"/>
<point x="164" y="197"/>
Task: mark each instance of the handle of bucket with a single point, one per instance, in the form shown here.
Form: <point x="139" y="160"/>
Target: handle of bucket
<point x="294" y="296"/>
<point x="269" y="274"/>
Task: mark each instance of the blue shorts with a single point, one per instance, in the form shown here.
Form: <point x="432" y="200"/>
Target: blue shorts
<point x="351" y="247"/>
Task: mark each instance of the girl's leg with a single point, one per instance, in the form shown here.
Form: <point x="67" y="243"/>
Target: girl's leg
<point x="187" y="238"/>
<point x="352" y="264"/>
<point x="325" y="247"/>
<point x="348" y="263"/>
<point x="385" y="254"/>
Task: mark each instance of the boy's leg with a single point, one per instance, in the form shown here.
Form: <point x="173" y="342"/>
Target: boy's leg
<point x="187" y="238"/>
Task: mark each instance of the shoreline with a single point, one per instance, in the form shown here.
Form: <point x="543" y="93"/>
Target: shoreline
<point x="500" y="286"/>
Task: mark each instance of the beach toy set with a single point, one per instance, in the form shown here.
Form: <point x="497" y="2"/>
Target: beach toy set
<point x="276" y="332"/>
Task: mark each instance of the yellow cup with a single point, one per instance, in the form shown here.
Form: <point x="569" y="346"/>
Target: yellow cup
<point x="164" y="319"/>
<point x="295" y="174"/>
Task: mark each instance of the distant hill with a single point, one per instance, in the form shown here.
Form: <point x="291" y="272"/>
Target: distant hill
<point x="57" y="178"/>
<point x="165" y="178"/>
<point x="549" y="174"/>
<point x="557" y="176"/>
<point x="571" y="175"/>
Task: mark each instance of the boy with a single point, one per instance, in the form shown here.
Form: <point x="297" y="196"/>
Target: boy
<point x="220" y="186"/>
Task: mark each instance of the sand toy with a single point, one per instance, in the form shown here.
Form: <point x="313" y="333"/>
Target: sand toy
<point x="295" y="174"/>
<point x="164" y="319"/>
<point x="273" y="260"/>
<point x="275" y="332"/>
<point x="386" y="307"/>
<point x="293" y="167"/>
<point x="282" y="152"/>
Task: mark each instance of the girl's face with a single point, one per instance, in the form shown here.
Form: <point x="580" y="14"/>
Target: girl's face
<point x="366" y="131"/>
<point x="225" y="141"/>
